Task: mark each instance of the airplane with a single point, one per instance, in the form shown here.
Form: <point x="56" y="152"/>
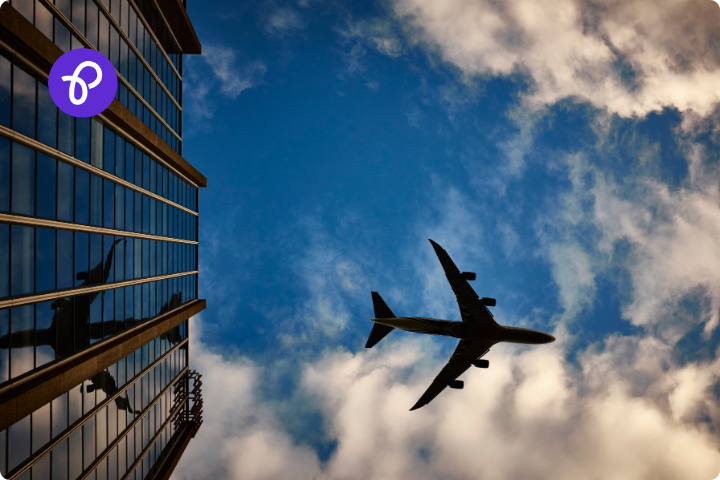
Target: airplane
<point x="478" y="331"/>
<point x="70" y="321"/>
<point x="104" y="381"/>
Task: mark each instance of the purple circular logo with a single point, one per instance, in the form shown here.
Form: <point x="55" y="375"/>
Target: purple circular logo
<point x="82" y="82"/>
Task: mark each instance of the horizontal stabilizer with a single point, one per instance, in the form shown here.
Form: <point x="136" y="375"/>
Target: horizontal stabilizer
<point x="381" y="311"/>
<point x="378" y="333"/>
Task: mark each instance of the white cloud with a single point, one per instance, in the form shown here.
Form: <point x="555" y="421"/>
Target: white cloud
<point x="216" y="73"/>
<point x="283" y="21"/>
<point x="629" y="57"/>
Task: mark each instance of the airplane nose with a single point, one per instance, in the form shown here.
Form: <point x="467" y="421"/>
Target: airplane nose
<point x="550" y="338"/>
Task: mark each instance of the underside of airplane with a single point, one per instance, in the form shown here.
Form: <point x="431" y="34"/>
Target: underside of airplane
<point x="478" y="331"/>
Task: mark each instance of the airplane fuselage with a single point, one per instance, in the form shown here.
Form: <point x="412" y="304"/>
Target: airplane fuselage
<point x="450" y="328"/>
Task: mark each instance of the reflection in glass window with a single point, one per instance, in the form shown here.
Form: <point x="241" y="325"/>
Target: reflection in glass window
<point x="45" y="261"/>
<point x="23" y="109"/>
<point x="82" y="196"/>
<point x="45" y="334"/>
<point x="22" y="261"/>
<point x="4" y="174"/>
<point x="47" y="117"/>
<point x="22" y="338"/>
<point x="23" y="180"/>
<point x="46" y="186"/>
<point x="82" y="139"/>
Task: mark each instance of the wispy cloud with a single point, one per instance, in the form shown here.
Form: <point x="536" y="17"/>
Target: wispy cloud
<point x="283" y="20"/>
<point x="215" y="74"/>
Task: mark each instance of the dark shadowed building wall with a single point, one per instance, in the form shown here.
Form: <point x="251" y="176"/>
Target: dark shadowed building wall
<point x="98" y="247"/>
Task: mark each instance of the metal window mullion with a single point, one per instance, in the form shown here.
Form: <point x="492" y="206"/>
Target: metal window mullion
<point x="125" y="37"/>
<point x="145" y="23"/>
<point x="50" y="446"/>
<point x="77" y="227"/>
<point x="75" y="291"/>
<point x="36" y="145"/>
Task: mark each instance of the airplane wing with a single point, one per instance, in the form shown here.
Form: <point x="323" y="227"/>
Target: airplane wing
<point x="471" y="310"/>
<point x="466" y="352"/>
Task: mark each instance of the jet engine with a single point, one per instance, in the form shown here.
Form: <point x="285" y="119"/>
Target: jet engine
<point x="488" y="302"/>
<point x="470" y="276"/>
<point x="481" y="363"/>
<point x="456" y="384"/>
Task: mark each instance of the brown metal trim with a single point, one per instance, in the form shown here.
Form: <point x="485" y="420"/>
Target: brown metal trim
<point x="43" y="297"/>
<point x="28" y="393"/>
<point x="37" y="49"/>
<point x="172" y="453"/>
<point x="179" y="22"/>
<point x="78" y="227"/>
<point x="64" y="157"/>
<point x="48" y="447"/>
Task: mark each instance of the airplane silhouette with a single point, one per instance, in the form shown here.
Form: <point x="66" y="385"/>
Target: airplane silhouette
<point x="105" y="382"/>
<point x="64" y="330"/>
<point x="478" y="330"/>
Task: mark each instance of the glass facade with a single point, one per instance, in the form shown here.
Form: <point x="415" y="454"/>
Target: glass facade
<point x="98" y="236"/>
<point x="153" y="76"/>
<point x="116" y="422"/>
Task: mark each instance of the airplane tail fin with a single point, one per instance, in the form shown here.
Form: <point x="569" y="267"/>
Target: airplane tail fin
<point x="381" y="311"/>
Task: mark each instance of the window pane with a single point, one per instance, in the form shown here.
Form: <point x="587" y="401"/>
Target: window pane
<point x="78" y="15"/>
<point x="64" y="259"/>
<point x="46" y="185"/>
<point x="23" y="102"/>
<point x="62" y="35"/>
<point x="40" y="427"/>
<point x="4" y="356"/>
<point x="66" y="133"/>
<point x="95" y="333"/>
<point x="120" y="259"/>
<point x="59" y="458"/>
<point x="109" y="204"/>
<point x="96" y="200"/>
<point x="92" y="23"/>
<point x="129" y="209"/>
<point x="108" y="313"/>
<point x="109" y="155"/>
<point x="44" y="333"/>
<point x="23" y="180"/>
<point x="97" y="261"/>
<point x="5" y="89"/>
<point x="129" y="244"/>
<point x="130" y="163"/>
<point x="22" y="263"/>
<point x="47" y="117"/>
<point x="82" y="252"/>
<point x="82" y="196"/>
<point x="4" y="173"/>
<point x="138" y="168"/>
<point x="137" y="258"/>
<point x="82" y="322"/>
<point x="19" y="442"/>
<point x="66" y="191"/>
<point x="114" y="48"/>
<point x="4" y="261"/>
<point x="137" y="221"/>
<point x="119" y="157"/>
<point x="119" y="207"/>
<point x="22" y="328"/>
<point x="104" y="36"/>
<point x="97" y="144"/>
<point x="45" y="264"/>
<point x="82" y="139"/>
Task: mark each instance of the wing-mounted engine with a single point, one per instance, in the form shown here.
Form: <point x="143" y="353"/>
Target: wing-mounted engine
<point x="481" y="363"/>
<point x="488" y="302"/>
<point x="456" y="384"/>
<point x="469" y="276"/>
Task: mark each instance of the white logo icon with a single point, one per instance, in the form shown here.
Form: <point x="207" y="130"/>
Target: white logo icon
<point x="74" y="78"/>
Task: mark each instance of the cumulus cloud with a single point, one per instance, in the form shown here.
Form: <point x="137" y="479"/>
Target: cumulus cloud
<point x="629" y="57"/>
<point x="531" y="415"/>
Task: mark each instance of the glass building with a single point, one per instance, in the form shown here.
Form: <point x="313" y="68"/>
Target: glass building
<point x="98" y="247"/>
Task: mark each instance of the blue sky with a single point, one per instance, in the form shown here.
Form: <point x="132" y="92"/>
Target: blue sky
<point x="563" y="151"/>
